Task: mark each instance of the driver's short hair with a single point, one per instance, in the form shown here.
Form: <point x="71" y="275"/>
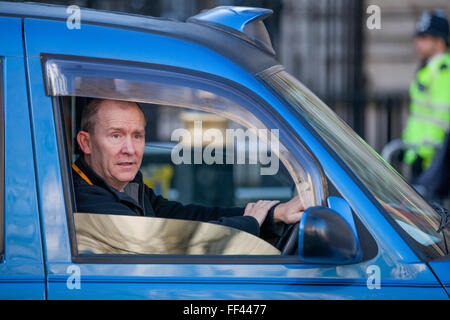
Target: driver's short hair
<point x="88" y="115"/>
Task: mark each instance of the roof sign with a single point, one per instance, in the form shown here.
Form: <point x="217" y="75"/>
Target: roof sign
<point x="244" y="22"/>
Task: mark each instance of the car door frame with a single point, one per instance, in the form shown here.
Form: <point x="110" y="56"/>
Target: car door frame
<point x="191" y="280"/>
<point x="22" y="274"/>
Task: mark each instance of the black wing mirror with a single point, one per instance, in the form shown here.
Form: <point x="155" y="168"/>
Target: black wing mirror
<point x="328" y="235"/>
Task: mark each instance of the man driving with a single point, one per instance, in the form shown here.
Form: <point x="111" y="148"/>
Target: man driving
<point x="107" y="178"/>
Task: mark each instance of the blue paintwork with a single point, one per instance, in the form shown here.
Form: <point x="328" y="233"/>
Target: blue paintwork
<point x="342" y="207"/>
<point x="233" y="17"/>
<point x="441" y="268"/>
<point x="33" y="176"/>
<point x="22" y="270"/>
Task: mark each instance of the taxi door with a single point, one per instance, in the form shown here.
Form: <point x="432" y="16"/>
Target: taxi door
<point x="101" y="51"/>
<point x="21" y="267"/>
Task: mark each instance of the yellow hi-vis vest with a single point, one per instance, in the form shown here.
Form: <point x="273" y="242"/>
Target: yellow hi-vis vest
<point x="429" y="117"/>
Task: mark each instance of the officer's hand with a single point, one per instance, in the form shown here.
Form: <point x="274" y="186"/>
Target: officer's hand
<point x="259" y="209"/>
<point x="289" y="212"/>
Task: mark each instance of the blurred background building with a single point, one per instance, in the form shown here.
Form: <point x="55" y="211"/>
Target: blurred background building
<point x="362" y="73"/>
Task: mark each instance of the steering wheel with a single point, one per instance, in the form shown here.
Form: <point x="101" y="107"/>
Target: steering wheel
<point x="288" y="241"/>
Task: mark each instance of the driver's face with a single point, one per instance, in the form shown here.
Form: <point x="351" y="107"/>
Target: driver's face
<point x="117" y="142"/>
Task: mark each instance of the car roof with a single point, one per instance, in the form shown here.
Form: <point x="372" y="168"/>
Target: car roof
<point x="233" y="44"/>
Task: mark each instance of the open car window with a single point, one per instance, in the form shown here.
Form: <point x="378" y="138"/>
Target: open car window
<point x="118" y="234"/>
<point x="236" y="153"/>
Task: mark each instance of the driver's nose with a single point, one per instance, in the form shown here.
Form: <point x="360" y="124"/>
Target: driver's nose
<point x="128" y="146"/>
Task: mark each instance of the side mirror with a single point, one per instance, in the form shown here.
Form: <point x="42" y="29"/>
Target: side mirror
<point x="328" y="235"/>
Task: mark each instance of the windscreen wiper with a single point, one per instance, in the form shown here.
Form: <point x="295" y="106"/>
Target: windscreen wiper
<point x="445" y="221"/>
<point x="445" y="216"/>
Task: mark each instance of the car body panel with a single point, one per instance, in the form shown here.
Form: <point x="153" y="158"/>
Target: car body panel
<point x="245" y="54"/>
<point x="156" y="281"/>
<point x="22" y="272"/>
<point x="441" y="268"/>
<point x="396" y="272"/>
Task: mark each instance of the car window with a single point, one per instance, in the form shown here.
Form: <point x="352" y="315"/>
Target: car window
<point x="194" y="158"/>
<point x="235" y="156"/>
<point x="405" y="206"/>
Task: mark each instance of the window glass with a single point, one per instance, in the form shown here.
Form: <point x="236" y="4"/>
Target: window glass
<point x="202" y="148"/>
<point x="414" y="215"/>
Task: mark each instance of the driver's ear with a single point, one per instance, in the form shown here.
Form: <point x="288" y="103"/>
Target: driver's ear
<point x="84" y="141"/>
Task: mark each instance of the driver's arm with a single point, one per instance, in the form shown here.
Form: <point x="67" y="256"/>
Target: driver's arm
<point x="289" y="212"/>
<point x="280" y="215"/>
<point x="249" y="219"/>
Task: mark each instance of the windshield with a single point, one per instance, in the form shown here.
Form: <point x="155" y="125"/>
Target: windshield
<point x="405" y="206"/>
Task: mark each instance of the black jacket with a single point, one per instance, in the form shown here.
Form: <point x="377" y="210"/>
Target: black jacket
<point x="138" y="199"/>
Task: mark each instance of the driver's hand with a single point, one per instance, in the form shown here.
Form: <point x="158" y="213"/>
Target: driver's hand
<point x="289" y="212"/>
<point x="259" y="210"/>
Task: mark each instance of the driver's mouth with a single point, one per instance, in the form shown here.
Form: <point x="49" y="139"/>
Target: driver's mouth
<point x="126" y="164"/>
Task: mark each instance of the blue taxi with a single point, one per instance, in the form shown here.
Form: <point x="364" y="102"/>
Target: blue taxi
<point x="365" y="235"/>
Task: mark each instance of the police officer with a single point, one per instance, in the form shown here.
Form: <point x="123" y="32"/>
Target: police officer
<point x="429" y="116"/>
